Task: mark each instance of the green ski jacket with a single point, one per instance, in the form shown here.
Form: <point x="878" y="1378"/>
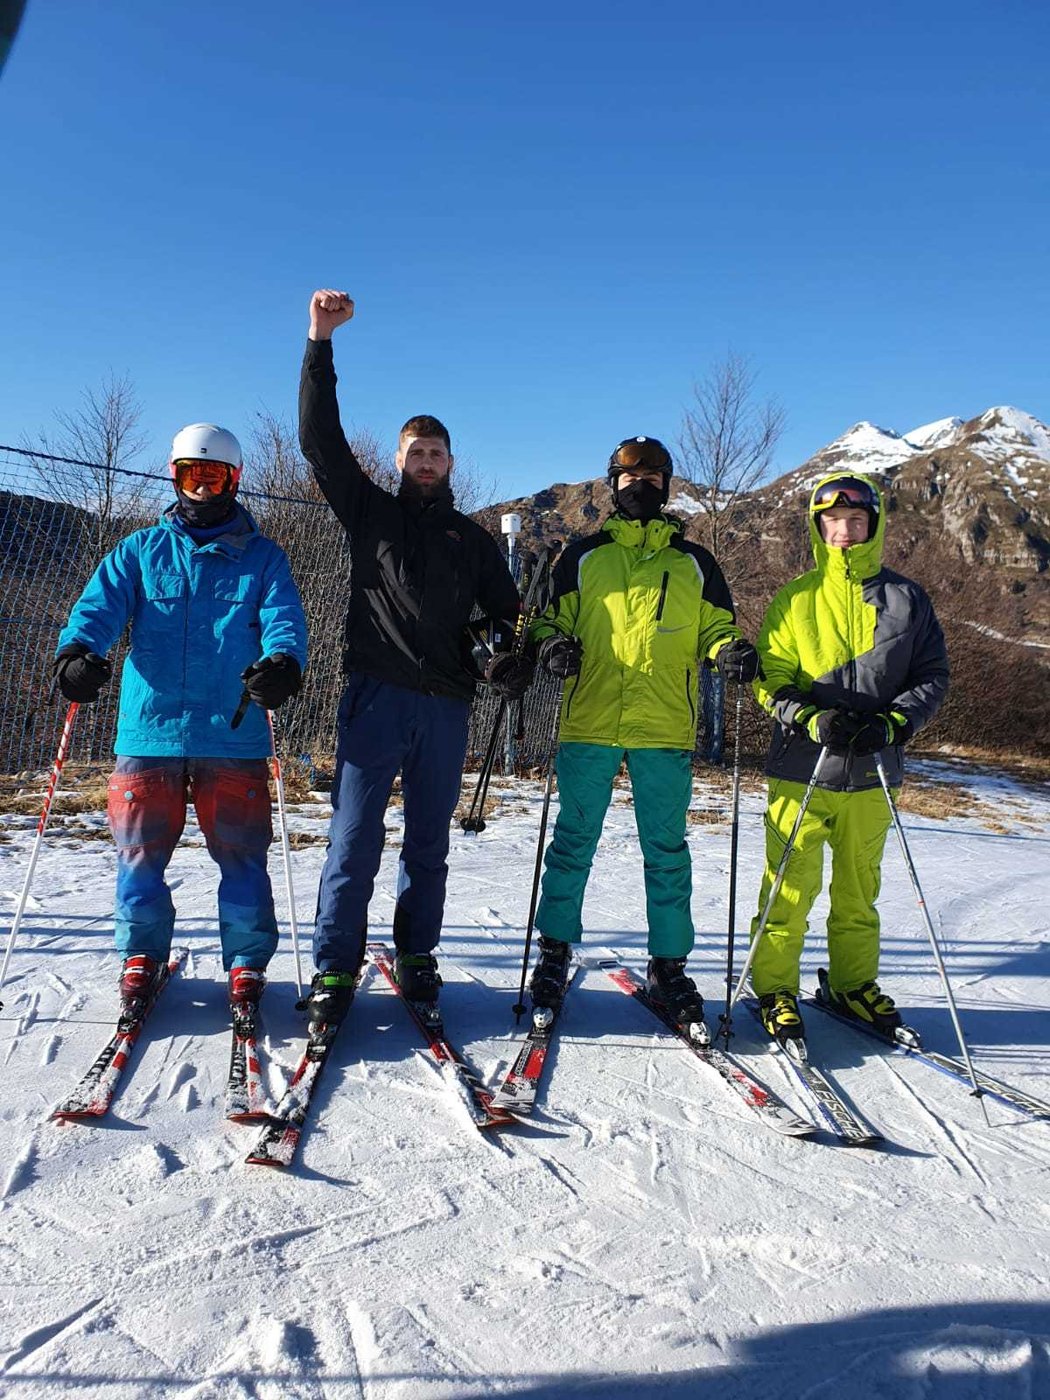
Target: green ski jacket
<point x="646" y="604"/>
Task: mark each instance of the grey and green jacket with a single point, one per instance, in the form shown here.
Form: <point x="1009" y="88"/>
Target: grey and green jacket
<point x="854" y="634"/>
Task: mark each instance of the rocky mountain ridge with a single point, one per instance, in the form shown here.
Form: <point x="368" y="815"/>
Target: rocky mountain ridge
<point x="969" y="512"/>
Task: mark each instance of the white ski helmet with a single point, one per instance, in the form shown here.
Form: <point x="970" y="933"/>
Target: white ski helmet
<point x="206" y="442"/>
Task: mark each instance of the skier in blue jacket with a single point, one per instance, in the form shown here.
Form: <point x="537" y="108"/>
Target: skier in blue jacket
<point x="214" y="613"/>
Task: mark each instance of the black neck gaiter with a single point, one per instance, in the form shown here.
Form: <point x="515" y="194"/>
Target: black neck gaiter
<point x="641" y="500"/>
<point x="216" y="510"/>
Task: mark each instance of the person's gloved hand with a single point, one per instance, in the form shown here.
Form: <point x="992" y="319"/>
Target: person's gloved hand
<point x="272" y="680"/>
<point x="738" y="662"/>
<point x="874" y="733"/>
<point x="511" y="675"/>
<point x="832" y="728"/>
<point x="561" y="656"/>
<point x="81" y="673"/>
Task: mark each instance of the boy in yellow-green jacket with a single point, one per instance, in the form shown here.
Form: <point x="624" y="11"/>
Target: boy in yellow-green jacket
<point x="853" y="659"/>
<point x="635" y="607"/>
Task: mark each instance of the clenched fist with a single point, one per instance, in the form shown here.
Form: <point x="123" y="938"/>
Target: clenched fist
<point x="328" y="309"/>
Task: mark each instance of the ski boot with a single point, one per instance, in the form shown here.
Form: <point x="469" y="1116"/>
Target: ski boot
<point x="246" y="988"/>
<point x="417" y="976"/>
<point x="138" y="981"/>
<point x="676" y="995"/>
<point x="868" y="1003"/>
<point x="780" y="1016"/>
<point x="549" y="979"/>
<point x="328" y="1000"/>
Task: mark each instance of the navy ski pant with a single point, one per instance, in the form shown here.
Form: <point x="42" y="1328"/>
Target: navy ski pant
<point x="384" y="728"/>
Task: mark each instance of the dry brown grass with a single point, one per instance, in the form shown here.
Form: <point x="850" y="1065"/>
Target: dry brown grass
<point x="943" y="801"/>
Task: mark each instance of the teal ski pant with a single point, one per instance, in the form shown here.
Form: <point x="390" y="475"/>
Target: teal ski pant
<point x="662" y="784"/>
<point x="854" y="825"/>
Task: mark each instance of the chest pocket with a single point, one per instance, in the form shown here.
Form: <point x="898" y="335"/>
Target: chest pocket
<point x="161" y="612"/>
<point x="164" y="587"/>
<point x="241" y="589"/>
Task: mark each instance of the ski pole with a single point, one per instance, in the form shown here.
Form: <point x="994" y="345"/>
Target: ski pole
<point x="778" y="879"/>
<point x="41" y="827"/>
<point x="727" y="1016"/>
<point x="475" y="819"/>
<point x="938" y="959"/>
<point x="286" y="851"/>
<point x="534" y="898"/>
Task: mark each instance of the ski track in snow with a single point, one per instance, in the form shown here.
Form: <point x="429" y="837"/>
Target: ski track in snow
<point x="643" y="1235"/>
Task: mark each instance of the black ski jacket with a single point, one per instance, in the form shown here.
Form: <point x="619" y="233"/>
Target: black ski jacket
<point x="416" y="570"/>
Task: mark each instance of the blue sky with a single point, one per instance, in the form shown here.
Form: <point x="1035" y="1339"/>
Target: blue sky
<point x="553" y="218"/>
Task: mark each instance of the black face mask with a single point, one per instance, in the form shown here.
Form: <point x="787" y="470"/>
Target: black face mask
<point x="641" y="500"/>
<point x="216" y="510"/>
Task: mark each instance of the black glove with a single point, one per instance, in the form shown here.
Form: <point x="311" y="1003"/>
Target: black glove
<point x="874" y="733"/>
<point x="561" y="656"/>
<point x="81" y="673"/>
<point x="833" y="728"/>
<point x="738" y="662"/>
<point x="511" y="675"/>
<point x="273" y="680"/>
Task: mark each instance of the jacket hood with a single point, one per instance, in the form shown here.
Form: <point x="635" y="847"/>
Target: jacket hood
<point x="865" y="560"/>
<point x="636" y="534"/>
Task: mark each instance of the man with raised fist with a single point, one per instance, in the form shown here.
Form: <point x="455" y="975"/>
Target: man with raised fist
<point x="418" y="569"/>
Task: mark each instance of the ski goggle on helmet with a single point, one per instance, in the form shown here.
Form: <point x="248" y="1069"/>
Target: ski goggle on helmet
<point x="205" y="455"/>
<point x="641" y="454"/>
<point x="846" y="491"/>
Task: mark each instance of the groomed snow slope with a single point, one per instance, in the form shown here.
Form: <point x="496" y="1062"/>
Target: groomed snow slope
<point x="645" y="1236"/>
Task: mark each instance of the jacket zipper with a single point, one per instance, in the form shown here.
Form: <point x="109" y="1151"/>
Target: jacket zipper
<point x="689" y="695"/>
<point x="572" y="695"/>
<point x="663" y="596"/>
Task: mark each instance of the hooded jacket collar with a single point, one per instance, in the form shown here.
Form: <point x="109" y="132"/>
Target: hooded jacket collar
<point x="860" y="561"/>
<point x="240" y="530"/>
<point x="647" y="535"/>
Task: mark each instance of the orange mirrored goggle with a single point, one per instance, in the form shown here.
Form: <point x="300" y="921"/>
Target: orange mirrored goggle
<point x="641" y="454"/>
<point x="192" y="473"/>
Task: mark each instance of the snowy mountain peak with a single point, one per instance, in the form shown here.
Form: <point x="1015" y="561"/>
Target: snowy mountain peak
<point x="1013" y="429"/>
<point x="940" y="433"/>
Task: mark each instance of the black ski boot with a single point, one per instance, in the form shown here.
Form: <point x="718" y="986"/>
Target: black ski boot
<point x="138" y="981"/>
<point x="549" y="978"/>
<point x="328" y="1000"/>
<point x="675" y="993"/>
<point x="780" y="1016"/>
<point x="869" y="1004"/>
<point x="417" y="976"/>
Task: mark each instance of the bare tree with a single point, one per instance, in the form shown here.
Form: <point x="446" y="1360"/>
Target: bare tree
<point x="100" y="441"/>
<point x="726" y="448"/>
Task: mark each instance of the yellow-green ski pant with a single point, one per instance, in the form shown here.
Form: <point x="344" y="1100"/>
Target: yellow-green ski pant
<point x="854" y="825"/>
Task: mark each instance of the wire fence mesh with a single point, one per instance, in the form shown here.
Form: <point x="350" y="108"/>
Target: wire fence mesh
<point x="58" y="517"/>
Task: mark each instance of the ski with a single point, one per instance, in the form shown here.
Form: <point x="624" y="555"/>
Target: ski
<point x="276" y="1145"/>
<point x="946" y="1064"/>
<point x="822" y="1095"/>
<point x="517" y="1090"/>
<point x="475" y="1097"/>
<point x="95" y="1092"/>
<point x="278" y="1142"/>
<point x="245" y="1099"/>
<point x="773" y="1111"/>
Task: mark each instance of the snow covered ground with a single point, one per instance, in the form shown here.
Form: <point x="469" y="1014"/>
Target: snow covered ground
<point x="645" y="1236"/>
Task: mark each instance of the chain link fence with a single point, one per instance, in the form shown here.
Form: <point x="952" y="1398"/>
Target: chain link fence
<point x="58" y="517"/>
